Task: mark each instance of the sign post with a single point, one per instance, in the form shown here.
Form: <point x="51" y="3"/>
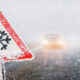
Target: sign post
<point x="2" y="71"/>
<point x="11" y="46"/>
<point x="1" y="75"/>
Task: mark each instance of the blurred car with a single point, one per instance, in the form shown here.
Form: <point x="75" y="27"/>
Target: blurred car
<point x="52" y="41"/>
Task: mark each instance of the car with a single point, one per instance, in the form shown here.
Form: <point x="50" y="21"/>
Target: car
<point x="52" y="41"/>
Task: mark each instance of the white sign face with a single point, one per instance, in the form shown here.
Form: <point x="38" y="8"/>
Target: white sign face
<point x="8" y="47"/>
<point x="11" y="46"/>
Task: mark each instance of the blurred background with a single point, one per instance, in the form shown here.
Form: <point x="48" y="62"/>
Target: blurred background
<point x="38" y="22"/>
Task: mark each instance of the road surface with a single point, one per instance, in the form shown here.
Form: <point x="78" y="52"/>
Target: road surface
<point x="47" y="65"/>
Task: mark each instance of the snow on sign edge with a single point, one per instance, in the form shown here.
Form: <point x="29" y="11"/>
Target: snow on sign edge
<point x="27" y="54"/>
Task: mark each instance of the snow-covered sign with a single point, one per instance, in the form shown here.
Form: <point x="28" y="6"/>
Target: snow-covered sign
<point x="11" y="46"/>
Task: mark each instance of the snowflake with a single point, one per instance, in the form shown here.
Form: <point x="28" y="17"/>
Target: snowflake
<point x="2" y="40"/>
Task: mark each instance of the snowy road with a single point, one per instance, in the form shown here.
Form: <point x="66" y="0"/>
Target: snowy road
<point x="47" y="65"/>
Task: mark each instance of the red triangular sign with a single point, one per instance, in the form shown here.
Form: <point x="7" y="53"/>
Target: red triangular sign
<point x="11" y="46"/>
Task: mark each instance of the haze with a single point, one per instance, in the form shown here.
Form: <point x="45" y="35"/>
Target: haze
<point x="34" y="18"/>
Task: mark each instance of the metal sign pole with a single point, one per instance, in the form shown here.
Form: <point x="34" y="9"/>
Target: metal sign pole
<point x="1" y="74"/>
<point x="2" y="71"/>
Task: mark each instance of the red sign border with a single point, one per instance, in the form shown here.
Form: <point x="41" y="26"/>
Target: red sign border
<point x="27" y="54"/>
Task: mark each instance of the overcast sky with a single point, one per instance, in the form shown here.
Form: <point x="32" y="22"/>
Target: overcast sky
<point x="33" y="18"/>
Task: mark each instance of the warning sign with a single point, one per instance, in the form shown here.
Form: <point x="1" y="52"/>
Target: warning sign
<point x="11" y="46"/>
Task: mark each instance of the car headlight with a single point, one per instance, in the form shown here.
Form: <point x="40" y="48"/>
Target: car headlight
<point x="60" y="41"/>
<point x="45" y="42"/>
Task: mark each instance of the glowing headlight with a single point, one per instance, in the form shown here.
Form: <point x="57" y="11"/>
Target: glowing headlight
<point x="45" y="42"/>
<point x="60" y="41"/>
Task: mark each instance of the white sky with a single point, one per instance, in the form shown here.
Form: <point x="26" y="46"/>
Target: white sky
<point x="33" y="18"/>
